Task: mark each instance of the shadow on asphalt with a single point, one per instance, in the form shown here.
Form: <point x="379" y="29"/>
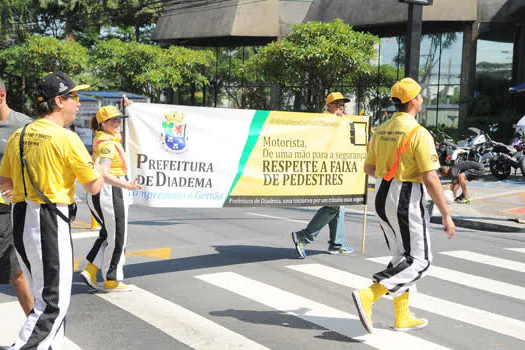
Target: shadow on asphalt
<point x="282" y="318"/>
<point x="226" y="255"/>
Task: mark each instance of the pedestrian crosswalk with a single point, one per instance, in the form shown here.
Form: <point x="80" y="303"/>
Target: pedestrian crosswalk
<point x="469" y="280"/>
<point x="487" y="260"/>
<point x="195" y="329"/>
<point x="12" y="318"/>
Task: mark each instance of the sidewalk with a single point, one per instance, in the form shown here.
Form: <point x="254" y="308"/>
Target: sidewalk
<point x="496" y="205"/>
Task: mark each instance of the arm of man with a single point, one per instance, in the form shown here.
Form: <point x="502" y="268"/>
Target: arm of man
<point x="94" y="186"/>
<point x="433" y="185"/>
<point x="370" y="170"/>
<point x="6" y="186"/>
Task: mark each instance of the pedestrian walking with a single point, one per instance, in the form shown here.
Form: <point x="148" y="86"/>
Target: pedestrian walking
<point x="42" y="161"/>
<point x="110" y="206"/>
<point x="460" y="174"/>
<point x="403" y="158"/>
<point x="333" y="216"/>
<point x="10" y="270"/>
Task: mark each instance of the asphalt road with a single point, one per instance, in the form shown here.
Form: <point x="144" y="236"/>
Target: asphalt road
<point x="229" y="279"/>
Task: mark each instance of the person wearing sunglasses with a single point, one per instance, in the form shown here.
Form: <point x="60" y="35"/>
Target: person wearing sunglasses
<point x="110" y="206"/>
<point x="42" y="199"/>
<point x="332" y="216"/>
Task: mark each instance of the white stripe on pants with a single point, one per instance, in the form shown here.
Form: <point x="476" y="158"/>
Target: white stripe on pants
<point x="404" y="219"/>
<point x="44" y="248"/>
<point x="110" y="208"/>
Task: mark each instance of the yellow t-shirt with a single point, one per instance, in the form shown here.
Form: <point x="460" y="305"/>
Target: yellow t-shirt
<point x="108" y="146"/>
<point x="419" y="157"/>
<point x="55" y="157"/>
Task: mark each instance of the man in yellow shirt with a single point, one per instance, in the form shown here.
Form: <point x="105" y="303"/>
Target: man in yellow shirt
<point x="43" y="191"/>
<point x="403" y="158"/>
<point x="333" y="216"/>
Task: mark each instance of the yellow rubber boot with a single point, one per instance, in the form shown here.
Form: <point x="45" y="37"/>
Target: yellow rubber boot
<point x="89" y="275"/>
<point x="405" y="321"/>
<point x="364" y="300"/>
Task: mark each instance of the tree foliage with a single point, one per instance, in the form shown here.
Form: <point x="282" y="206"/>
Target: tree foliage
<point x="239" y="86"/>
<point x="146" y="69"/>
<point x="81" y="19"/>
<point x="373" y="86"/>
<point x="315" y="55"/>
<point x="24" y="64"/>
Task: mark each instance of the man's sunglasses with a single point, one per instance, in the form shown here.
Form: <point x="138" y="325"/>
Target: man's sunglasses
<point x="75" y="97"/>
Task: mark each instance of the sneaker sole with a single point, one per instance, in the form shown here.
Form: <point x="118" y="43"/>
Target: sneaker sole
<point x="336" y="252"/>
<point x="406" y="329"/>
<point x="296" y="243"/>
<point x="88" y="281"/>
<point x="361" y="312"/>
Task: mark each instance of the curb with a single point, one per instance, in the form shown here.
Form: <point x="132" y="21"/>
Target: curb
<point x="479" y="225"/>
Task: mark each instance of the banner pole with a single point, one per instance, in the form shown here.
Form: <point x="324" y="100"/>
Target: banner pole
<point x="364" y="229"/>
<point x="123" y="131"/>
<point x="365" y="210"/>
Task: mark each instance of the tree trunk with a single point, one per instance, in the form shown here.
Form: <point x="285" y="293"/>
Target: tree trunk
<point x="192" y="94"/>
<point x="137" y="33"/>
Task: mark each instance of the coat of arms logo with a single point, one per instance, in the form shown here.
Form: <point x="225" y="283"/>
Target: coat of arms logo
<point x="173" y="135"/>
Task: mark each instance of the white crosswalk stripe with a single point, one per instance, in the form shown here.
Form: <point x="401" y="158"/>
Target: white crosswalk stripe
<point x="487" y="260"/>
<point x="463" y="313"/>
<point x="471" y="281"/>
<point x="314" y="312"/>
<point x="11" y="321"/>
<point x="178" y="322"/>
<point x="519" y="250"/>
<point x="196" y="331"/>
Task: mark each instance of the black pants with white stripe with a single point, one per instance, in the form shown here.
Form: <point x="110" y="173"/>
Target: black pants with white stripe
<point x="404" y="219"/>
<point x="43" y="244"/>
<point x="110" y="209"/>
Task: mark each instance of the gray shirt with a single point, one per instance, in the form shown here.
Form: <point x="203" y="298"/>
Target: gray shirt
<point x="13" y="122"/>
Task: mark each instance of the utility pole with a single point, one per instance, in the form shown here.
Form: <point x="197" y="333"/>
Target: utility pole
<point x="413" y="41"/>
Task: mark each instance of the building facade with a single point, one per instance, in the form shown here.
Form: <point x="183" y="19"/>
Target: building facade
<point x="472" y="51"/>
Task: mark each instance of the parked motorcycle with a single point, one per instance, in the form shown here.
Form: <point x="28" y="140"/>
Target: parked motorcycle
<point x="501" y="158"/>
<point x="445" y="147"/>
<point x="472" y="148"/>
<point x="519" y="144"/>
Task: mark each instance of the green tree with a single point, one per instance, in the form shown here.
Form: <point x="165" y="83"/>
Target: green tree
<point x="240" y="87"/>
<point x="24" y="64"/>
<point x="15" y="19"/>
<point x="85" y="20"/>
<point x="372" y="86"/>
<point x="315" y="56"/>
<point x="146" y="69"/>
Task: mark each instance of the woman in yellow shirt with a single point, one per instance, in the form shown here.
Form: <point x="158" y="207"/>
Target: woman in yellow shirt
<point x="110" y="206"/>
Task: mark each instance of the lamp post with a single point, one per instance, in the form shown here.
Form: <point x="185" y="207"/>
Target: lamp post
<point x="414" y="29"/>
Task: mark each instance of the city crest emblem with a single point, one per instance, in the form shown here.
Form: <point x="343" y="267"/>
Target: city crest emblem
<point x="173" y="135"/>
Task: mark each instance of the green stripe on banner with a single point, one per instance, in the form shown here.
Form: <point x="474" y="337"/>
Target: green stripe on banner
<point x="255" y="131"/>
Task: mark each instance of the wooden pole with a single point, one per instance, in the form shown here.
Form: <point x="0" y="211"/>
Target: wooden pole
<point x="364" y="229"/>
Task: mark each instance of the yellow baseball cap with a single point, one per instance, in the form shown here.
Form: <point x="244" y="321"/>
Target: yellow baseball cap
<point x="405" y="90"/>
<point x="335" y="96"/>
<point x="108" y="112"/>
